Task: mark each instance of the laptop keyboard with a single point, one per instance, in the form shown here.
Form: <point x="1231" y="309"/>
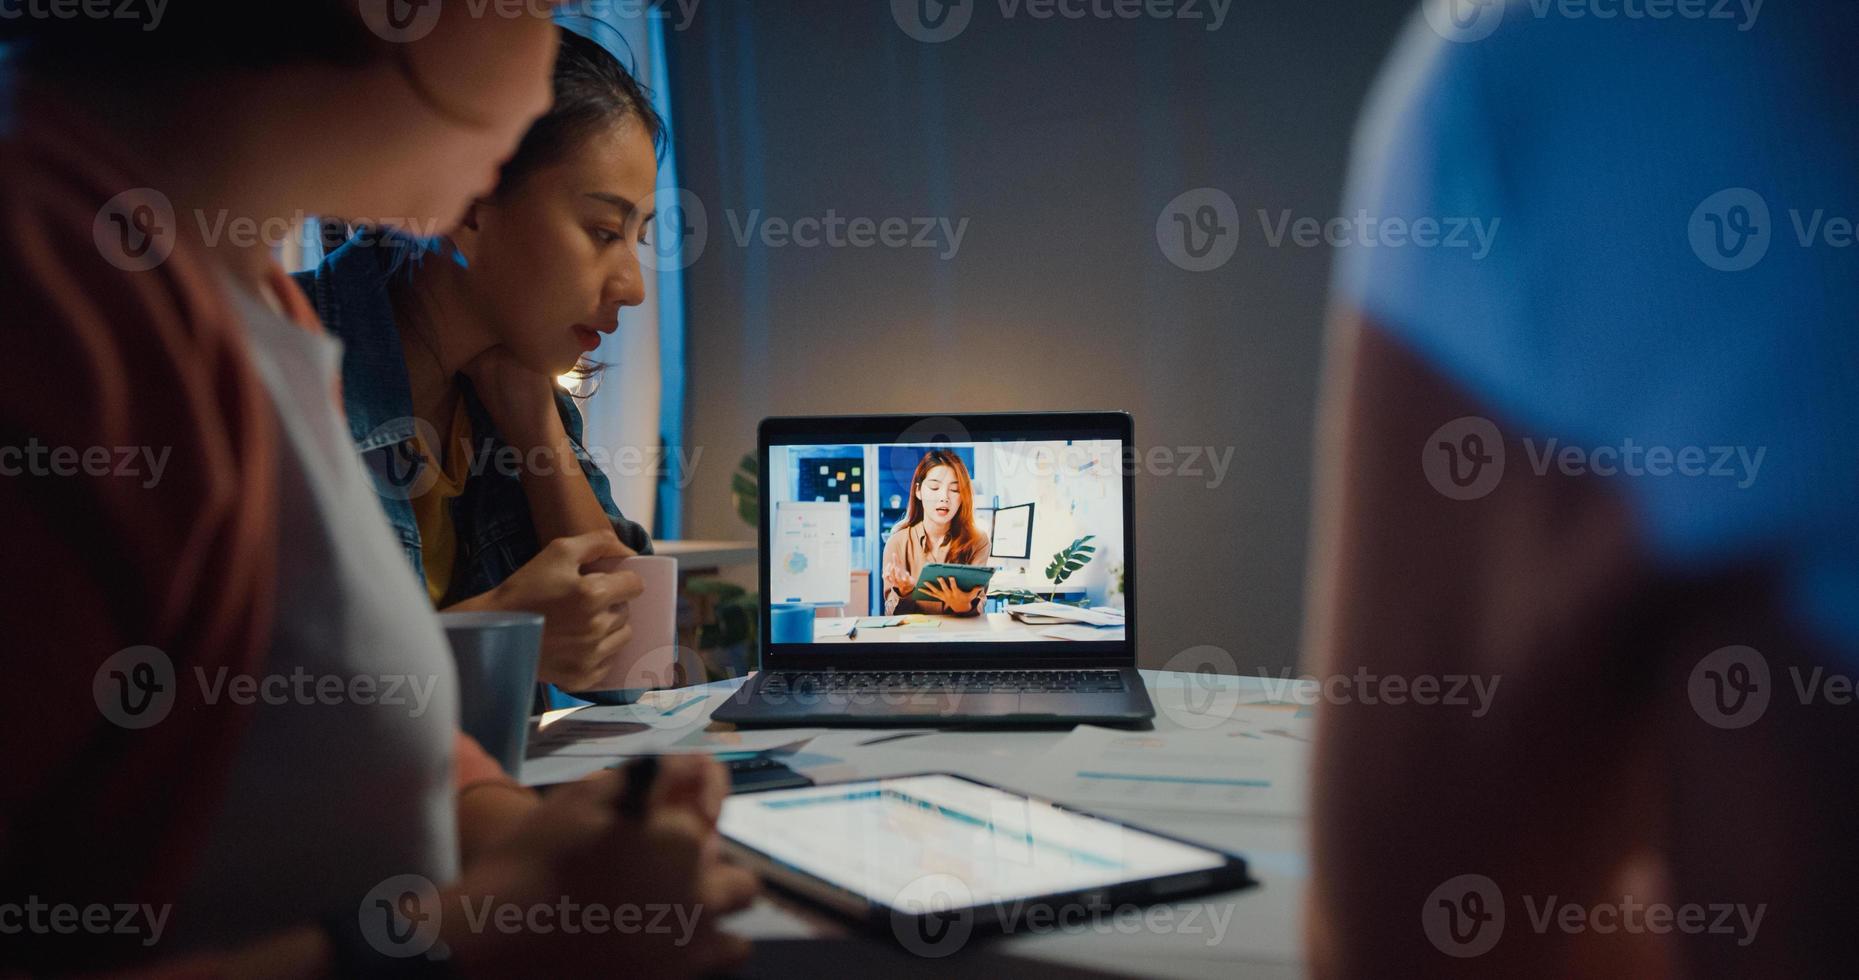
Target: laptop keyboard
<point x="964" y="681"/>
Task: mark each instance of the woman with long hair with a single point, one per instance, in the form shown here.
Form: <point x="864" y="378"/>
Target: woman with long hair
<point x="938" y="528"/>
<point x="452" y="348"/>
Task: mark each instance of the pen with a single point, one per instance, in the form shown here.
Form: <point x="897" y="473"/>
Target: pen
<point x="891" y="738"/>
<point x="637" y="786"/>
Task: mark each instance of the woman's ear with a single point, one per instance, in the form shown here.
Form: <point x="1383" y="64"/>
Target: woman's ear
<point x="465" y="236"/>
<point x="470" y="220"/>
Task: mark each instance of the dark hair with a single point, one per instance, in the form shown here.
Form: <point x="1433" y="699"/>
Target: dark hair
<point x="194" y="36"/>
<point x="592" y="89"/>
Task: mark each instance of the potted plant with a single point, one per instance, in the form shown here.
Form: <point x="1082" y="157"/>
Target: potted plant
<point x="1064" y="564"/>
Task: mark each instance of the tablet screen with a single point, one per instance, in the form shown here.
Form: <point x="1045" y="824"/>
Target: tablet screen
<point x="885" y="839"/>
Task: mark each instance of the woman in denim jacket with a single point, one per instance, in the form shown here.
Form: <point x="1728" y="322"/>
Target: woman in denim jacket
<point x="451" y="353"/>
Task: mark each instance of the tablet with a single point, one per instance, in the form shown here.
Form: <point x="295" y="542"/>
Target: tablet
<point x="933" y="849"/>
<point x="966" y="577"/>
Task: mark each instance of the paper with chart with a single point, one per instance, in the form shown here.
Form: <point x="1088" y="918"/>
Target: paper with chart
<point x="811" y="552"/>
<point x="1224" y="771"/>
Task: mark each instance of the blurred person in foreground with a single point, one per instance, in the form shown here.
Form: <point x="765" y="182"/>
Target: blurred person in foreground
<point x="1611" y="467"/>
<point x="329" y="828"/>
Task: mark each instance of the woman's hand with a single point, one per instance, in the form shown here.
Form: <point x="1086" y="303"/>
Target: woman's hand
<point x="521" y="401"/>
<point x="899" y="579"/>
<point x="585" y="615"/>
<point x="958" y="601"/>
<point x="662" y="871"/>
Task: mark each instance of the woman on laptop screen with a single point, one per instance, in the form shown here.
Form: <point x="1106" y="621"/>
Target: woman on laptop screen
<point x="939" y="528"/>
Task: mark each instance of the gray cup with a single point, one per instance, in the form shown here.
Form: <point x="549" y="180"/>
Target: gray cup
<point x="497" y="654"/>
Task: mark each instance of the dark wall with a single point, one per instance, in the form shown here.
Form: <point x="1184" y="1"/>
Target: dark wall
<point x="1060" y="142"/>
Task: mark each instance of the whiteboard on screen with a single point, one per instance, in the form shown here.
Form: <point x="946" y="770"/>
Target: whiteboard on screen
<point x="810" y="552"/>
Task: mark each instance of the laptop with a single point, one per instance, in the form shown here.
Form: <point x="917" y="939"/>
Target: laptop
<point x="946" y="570"/>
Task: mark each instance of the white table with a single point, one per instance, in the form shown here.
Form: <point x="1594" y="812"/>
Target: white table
<point x="1264" y="926"/>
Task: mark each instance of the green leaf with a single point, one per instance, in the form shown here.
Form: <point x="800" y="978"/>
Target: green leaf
<point x="1067" y="562"/>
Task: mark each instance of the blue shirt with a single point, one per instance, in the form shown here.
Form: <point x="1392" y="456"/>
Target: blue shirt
<point x="1663" y="201"/>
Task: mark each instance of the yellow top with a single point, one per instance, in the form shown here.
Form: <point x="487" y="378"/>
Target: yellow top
<point x="432" y="510"/>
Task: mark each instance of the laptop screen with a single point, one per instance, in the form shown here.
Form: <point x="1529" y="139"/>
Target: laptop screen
<point x="978" y="535"/>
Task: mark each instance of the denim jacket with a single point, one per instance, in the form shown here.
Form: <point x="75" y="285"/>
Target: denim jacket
<point x="496" y="535"/>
